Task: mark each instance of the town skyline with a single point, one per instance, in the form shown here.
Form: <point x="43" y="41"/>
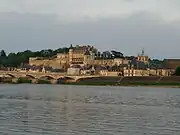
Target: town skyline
<point x="100" y="50"/>
<point x="83" y="60"/>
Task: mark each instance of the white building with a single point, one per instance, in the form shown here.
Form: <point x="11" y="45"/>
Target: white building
<point x="73" y="71"/>
<point x="120" y="61"/>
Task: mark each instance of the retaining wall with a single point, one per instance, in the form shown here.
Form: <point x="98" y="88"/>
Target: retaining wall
<point x="134" y="79"/>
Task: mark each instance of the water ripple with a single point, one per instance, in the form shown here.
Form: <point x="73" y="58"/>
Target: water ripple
<point x="47" y="110"/>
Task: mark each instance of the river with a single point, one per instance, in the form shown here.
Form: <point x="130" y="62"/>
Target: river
<point x="81" y="110"/>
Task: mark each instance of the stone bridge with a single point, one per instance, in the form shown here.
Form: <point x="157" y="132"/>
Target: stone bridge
<point x="40" y="75"/>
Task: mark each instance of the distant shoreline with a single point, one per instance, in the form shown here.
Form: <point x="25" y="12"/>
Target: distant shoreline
<point x="175" y="85"/>
<point x="114" y="84"/>
<point x="150" y="86"/>
<point x="166" y="82"/>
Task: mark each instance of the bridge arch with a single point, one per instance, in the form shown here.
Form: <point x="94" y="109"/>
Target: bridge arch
<point x="68" y="78"/>
<point x="49" y="77"/>
<point x="65" y="78"/>
<point x="10" y="75"/>
<point x="30" y="76"/>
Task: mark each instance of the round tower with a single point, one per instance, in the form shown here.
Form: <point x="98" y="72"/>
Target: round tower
<point x="86" y="57"/>
<point x="92" y="57"/>
<point x="70" y="55"/>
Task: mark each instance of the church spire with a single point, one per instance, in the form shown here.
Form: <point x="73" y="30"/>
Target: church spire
<point x="142" y="52"/>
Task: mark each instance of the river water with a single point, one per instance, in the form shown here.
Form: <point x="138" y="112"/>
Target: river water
<point x="82" y="110"/>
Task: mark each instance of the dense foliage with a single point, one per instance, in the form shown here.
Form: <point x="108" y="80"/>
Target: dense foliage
<point x="177" y="72"/>
<point x="20" y="58"/>
<point x="155" y="63"/>
<point x="17" y="59"/>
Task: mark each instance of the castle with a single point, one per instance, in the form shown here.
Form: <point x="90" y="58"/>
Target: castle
<point x="82" y="58"/>
<point x="78" y="55"/>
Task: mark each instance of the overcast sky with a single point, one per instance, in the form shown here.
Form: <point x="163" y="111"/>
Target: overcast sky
<point x="124" y="25"/>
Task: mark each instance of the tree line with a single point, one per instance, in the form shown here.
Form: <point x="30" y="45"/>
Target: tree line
<point x="20" y="58"/>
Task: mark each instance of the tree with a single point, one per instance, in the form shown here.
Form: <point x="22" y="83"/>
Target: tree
<point x="177" y="72"/>
<point x="106" y="54"/>
<point x="3" y="53"/>
<point x="16" y="59"/>
<point x="117" y="54"/>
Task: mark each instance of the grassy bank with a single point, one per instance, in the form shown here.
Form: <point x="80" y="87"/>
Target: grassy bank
<point x="124" y="84"/>
<point x="92" y="83"/>
<point x="23" y="80"/>
<point x="44" y="82"/>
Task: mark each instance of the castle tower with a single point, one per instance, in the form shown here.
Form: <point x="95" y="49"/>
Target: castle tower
<point x="92" y="57"/>
<point x="70" y="55"/>
<point x="143" y="58"/>
<point x="87" y="56"/>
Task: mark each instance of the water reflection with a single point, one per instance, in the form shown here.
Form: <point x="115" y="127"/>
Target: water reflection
<point x="51" y="109"/>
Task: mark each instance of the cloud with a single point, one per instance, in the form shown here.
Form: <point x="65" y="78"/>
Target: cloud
<point x="74" y="10"/>
<point x="19" y="32"/>
<point x="126" y="25"/>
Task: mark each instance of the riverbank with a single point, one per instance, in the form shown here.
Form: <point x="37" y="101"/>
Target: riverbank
<point x="167" y="85"/>
<point x="128" y="84"/>
<point x="104" y="81"/>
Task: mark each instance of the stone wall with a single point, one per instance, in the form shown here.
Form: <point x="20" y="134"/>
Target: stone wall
<point x="104" y="62"/>
<point x="135" y="79"/>
<point x="100" y="79"/>
<point x="54" y="63"/>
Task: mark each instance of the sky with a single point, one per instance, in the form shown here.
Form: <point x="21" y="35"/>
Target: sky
<point x="124" y="25"/>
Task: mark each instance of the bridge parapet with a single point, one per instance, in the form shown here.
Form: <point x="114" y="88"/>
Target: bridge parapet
<point x="76" y="78"/>
<point x="38" y="75"/>
<point x="16" y="74"/>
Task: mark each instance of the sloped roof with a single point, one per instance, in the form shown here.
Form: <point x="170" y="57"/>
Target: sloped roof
<point x="87" y="53"/>
<point x="140" y="65"/>
<point x="75" y="66"/>
<point x="100" y="67"/>
<point x="87" y="67"/>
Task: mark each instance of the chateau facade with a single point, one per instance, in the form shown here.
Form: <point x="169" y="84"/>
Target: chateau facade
<point x="79" y="55"/>
<point x="85" y="59"/>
